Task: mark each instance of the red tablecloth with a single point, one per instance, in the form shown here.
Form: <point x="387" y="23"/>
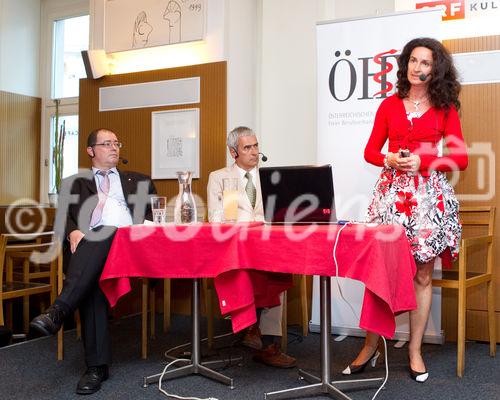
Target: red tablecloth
<point x="377" y="256"/>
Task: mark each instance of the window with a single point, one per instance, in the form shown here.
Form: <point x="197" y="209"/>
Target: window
<point x="64" y="28"/>
<point x="71" y="36"/>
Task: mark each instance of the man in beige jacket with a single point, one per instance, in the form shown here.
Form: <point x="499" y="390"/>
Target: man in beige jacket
<point x="244" y="149"/>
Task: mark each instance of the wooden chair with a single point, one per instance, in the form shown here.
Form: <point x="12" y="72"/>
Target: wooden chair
<point x="40" y="242"/>
<point x="467" y="276"/>
<point x="37" y="276"/>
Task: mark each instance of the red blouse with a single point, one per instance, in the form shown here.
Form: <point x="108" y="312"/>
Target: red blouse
<point x="420" y="138"/>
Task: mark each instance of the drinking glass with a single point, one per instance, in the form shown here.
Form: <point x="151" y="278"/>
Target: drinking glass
<point x="230" y="199"/>
<point x="159" y="209"/>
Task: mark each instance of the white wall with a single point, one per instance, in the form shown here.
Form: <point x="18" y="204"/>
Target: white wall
<point x="360" y="8"/>
<point x="241" y="40"/>
<point x="287" y="87"/>
<point x="19" y="46"/>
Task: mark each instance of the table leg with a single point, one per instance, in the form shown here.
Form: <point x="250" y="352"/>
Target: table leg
<point x="323" y="384"/>
<point x="195" y="366"/>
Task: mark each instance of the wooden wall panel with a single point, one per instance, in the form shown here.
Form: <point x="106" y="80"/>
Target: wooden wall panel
<point x="19" y="147"/>
<point x="480" y="125"/>
<point x="470" y="45"/>
<point x="133" y="127"/>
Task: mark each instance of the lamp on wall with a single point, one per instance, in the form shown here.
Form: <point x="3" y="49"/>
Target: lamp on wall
<point x="96" y="63"/>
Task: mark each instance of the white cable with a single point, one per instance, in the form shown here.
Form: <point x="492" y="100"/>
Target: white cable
<point x="174" y="396"/>
<point x="352" y="308"/>
<point x="386" y="369"/>
<point x="337" y="270"/>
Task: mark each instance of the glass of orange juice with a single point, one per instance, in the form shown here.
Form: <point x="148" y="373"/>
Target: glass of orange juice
<point x="230" y="199"/>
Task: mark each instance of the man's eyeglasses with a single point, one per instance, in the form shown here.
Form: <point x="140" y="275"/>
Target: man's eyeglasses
<point x="109" y="144"/>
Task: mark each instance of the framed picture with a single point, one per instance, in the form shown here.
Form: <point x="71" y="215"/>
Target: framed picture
<point x="175" y="143"/>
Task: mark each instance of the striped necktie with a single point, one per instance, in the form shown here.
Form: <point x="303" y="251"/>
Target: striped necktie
<point x="250" y="189"/>
<point x="102" y="192"/>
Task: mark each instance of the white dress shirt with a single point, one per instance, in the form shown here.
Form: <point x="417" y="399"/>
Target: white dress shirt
<point x="243" y="179"/>
<point x="115" y="212"/>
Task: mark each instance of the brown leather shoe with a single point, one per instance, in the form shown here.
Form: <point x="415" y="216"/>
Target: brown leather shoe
<point x="252" y="338"/>
<point x="273" y="356"/>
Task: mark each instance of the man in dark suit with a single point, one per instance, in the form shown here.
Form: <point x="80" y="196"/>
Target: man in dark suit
<point x="93" y="205"/>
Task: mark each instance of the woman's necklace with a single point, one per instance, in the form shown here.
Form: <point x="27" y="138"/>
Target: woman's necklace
<point x="417" y="113"/>
<point x="416" y="103"/>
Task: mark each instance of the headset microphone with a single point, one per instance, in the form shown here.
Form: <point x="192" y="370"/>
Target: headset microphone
<point x="264" y="158"/>
<point x="123" y="160"/>
<point x="422" y="77"/>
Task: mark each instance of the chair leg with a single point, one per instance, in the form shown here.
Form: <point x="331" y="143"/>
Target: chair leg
<point x="2" y="322"/>
<point x="9" y="264"/>
<point x="53" y="281"/>
<point x="166" y="304"/>
<point x="26" y="299"/>
<point x="60" y="344"/>
<point x="284" y="324"/>
<point x="304" y="307"/>
<point x="152" y="315"/>
<point x="462" y="301"/>
<point x="491" y="318"/>
<point x="144" y="333"/>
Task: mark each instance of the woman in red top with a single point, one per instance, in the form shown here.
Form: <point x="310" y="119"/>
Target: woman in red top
<point x="412" y="189"/>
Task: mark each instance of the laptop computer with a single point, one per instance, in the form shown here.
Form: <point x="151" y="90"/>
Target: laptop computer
<point x="298" y="194"/>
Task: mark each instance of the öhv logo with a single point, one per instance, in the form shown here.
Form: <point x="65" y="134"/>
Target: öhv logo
<point x="369" y="74"/>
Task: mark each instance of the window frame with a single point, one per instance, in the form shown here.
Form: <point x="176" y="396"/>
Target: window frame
<point x="52" y="11"/>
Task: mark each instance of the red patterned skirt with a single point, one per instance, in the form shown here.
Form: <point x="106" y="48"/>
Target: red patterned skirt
<point x="425" y="206"/>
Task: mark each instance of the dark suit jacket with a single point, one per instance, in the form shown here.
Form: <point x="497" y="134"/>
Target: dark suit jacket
<point x="78" y="199"/>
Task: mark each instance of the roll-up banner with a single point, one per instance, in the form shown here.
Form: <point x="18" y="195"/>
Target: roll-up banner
<point x="357" y="65"/>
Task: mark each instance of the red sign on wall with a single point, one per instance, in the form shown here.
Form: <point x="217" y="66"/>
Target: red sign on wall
<point x="452" y="9"/>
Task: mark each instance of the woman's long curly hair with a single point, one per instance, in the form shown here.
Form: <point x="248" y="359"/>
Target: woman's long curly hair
<point x="444" y="87"/>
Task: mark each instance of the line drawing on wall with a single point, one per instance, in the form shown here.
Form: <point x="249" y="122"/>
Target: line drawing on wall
<point x="132" y="24"/>
<point x="173" y="14"/>
<point x="142" y="30"/>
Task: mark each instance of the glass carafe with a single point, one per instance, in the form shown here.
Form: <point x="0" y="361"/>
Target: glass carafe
<point x="185" y="207"/>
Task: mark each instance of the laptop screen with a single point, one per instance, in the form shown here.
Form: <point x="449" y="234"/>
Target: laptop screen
<point x="298" y="194"/>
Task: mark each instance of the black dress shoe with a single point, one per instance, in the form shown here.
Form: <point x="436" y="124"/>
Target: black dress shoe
<point x="420" y="377"/>
<point x="91" y="380"/>
<point x="357" y="369"/>
<point x="50" y="321"/>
